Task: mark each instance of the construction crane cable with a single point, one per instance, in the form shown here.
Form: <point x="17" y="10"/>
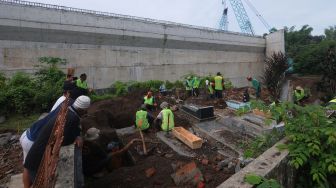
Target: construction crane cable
<point x="261" y="18"/>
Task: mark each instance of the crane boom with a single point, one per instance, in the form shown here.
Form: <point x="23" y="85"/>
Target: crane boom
<point x="223" y="23"/>
<point x="242" y="17"/>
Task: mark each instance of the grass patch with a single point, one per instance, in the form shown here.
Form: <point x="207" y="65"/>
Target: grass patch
<point x="95" y="97"/>
<point x="18" y="122"/>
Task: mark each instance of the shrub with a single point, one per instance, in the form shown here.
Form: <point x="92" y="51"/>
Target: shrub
<point x="228" y="84"/>
<point x="20" y="93"/>
<point x="49" y="81"/>
<point x="262" y="143"/>
<point x="25" y="94"/>
<point x="312" y="141"/>
<point x="20" y="99"/>
<point x="120" y="88"/>
<point x="3" y="94"/>
<point x="274" y="74"/>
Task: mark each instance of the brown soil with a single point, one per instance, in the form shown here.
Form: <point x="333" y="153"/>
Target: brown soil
<point x="10" y="160"/>
<point x="162" y="158"/>
<point x="309" y="82"/>
<point x="114" y="113"/>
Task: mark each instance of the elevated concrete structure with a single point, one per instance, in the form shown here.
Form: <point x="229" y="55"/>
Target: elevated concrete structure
<point x="111" y="47"/>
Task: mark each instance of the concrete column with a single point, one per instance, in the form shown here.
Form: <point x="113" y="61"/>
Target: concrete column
<point x="275" y="42"/>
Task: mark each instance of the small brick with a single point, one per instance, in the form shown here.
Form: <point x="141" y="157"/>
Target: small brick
<point x="188" y="173"/>
<point x="150" y="172"/>
<point x="205" y="161"/>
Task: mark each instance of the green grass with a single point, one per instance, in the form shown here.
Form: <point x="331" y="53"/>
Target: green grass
<point x="95" y="98"/>
<point x="18" y="122"/>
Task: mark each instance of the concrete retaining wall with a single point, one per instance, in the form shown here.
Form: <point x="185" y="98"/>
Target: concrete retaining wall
<point x="119" y="48"/>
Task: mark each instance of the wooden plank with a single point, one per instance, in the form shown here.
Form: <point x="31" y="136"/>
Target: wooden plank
<point x="261" y="113"/>
<point x="191" y="140"/>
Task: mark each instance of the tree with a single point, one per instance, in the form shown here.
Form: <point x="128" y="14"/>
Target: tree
<point x="330" y="33"/>
<point x="328" y="82"/>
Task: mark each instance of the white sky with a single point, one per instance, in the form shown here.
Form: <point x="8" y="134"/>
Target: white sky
<point x="278" y="13"/>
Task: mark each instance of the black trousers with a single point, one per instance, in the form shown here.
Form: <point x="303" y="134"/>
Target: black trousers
<point x="219" y="94"/>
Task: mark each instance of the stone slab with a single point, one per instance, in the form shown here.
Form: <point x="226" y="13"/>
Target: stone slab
<point x="126" y="131"/>
<point x="16" y="181"/>
<point x="216" y="131"/>
<point x="176" y="145"/>
<point x="268" y="163"/>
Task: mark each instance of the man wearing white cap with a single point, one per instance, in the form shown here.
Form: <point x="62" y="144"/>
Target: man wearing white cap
<point x="71" y="135"/>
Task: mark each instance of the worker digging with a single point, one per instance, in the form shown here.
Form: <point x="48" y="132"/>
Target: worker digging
<point x="91" y="98"/>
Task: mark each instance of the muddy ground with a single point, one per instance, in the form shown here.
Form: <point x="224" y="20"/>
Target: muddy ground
<point x="10" y="157"/>
<point x="120" y="113"/>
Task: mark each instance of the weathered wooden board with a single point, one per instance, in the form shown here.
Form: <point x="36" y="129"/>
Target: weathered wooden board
<point x="191" y="140"/>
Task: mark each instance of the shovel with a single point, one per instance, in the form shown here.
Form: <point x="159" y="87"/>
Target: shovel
<point x="142" y="137"/>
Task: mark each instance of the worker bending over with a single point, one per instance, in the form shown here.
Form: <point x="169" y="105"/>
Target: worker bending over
<point x="332" y="102"/>
<point x="196" y="83"/>
<point x="71" y="135"/>
<point x="165" y="119"/>
<point x="149" y="100"/>
<point x="143" y="119"/>
<point x="299" y="95"/>
<point x="219" y="85"/>
<point x="189" y="86"/>
<point x="256" y="86"/>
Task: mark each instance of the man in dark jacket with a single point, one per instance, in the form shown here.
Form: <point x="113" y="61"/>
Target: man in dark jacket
<point x="70" y="135"/>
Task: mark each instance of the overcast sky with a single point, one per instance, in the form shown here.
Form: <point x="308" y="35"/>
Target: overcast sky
<point x="278" y="13"/>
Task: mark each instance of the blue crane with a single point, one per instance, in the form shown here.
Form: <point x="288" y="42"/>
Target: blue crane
<point x="241" y="16"/>
<point x="223" y="23"/>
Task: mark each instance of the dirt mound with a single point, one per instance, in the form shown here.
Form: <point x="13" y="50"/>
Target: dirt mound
<point x="10" y="160"/>
<point x="114" y="113"/>
<point x="308" y="82"/>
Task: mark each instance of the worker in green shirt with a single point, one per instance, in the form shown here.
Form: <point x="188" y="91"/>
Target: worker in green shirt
<point x="189" y="86"/>
<point x="143" y="119"/>
<point x="81" y="82"/>
<point x="299" y="95"/>
<point x="256" y="85"/>
<point x="332" y="102"/>
<point x="165" y="119"/>
<point x="81" y="87"/>
<point x="149" y="100"/>
<point x="219" y="85"/>
<point x="196" y="83"/>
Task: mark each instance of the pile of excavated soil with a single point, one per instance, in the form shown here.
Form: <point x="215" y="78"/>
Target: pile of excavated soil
<point x="114" y="113"/>
<point x="10" y="158"/>
<point x="120" y="112"/>
<point x="308" y="82"/>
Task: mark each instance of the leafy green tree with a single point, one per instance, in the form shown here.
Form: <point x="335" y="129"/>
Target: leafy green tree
<point x="311" y="143"/>
<point x="330" y="33"/>
<point x="308" y="51"/>
<point x="49" y="81"/>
